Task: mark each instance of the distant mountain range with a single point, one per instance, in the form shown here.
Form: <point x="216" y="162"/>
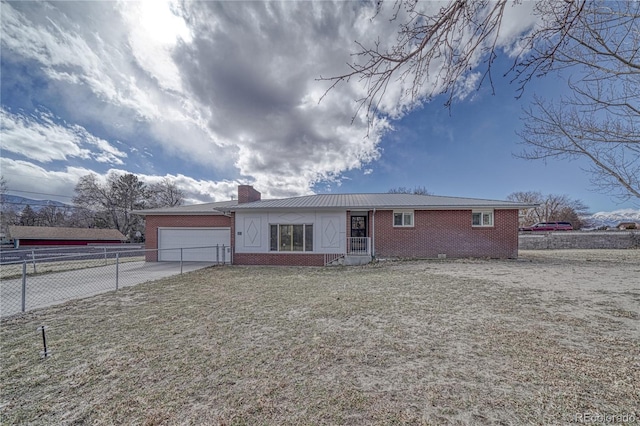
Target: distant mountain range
<point x="19" y="203"/>
<point x="613" y="218"/>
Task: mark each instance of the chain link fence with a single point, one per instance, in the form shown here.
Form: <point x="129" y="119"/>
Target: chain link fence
<point x="47" y="277"/>
<point x="10" y="255"/>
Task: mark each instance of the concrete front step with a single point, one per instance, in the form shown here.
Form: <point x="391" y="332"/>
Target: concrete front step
<point x="352" y="259"/>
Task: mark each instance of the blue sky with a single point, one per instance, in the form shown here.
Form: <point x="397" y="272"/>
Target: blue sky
<point x="216" y="94"/>
<point x="471" y="150"/>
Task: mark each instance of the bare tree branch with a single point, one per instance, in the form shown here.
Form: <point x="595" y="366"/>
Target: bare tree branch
<point x="597" y="42"/>
<point x="456" y="36"/>
<point x="551" y="208"/>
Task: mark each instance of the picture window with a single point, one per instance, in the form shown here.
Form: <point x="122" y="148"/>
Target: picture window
<point x="291" y="238"/>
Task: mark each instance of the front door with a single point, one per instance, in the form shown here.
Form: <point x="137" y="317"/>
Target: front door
<point x="358" y="243"/>
<point x="358" y="226"/>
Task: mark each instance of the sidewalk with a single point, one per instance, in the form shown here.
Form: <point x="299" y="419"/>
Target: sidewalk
<point x="55" y="288"/>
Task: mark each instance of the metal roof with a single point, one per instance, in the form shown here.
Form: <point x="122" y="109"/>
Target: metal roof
<point x="59" y="233"/>
<point x="340" y="201"/>
<point x="216" y="208"/>
<point x="379" y="201"/>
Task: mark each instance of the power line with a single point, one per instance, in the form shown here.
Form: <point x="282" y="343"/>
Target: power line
<point x="38" y="193"/>
<point x="65" y="206"/>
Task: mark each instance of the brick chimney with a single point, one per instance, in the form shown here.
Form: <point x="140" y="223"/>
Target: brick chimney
<point x="246" y="194"/>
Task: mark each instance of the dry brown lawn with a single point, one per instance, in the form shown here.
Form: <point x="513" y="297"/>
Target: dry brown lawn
<point x="537" y="340"/>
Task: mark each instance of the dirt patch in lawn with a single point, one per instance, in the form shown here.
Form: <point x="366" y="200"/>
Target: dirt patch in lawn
<point x="539" y="340"/>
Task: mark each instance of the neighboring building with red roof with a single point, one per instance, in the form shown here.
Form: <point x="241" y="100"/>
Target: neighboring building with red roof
<point x="57" y="236"/>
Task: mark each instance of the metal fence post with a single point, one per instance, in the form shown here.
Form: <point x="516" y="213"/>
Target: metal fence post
<point x="33" y="259"/>
<point x="117" y="269"/>
<point x="217" y="254"/>
<point x="180" y="260"/>
<point x="24" y="286"/>
<point x="223" y="254"/>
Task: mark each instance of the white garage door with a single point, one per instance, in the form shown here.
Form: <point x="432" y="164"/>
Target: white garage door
<point x="197" y="244"/>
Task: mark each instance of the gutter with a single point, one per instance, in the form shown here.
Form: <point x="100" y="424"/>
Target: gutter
<point x="373" y="233"/>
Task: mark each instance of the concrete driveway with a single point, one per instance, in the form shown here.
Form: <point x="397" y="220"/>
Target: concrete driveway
<point x="59" y="287"/>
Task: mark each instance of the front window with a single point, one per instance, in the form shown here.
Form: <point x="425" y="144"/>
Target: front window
<point x="403" y="218"/>
<point x="482" y="218"/>
<point x="291" y="238"/>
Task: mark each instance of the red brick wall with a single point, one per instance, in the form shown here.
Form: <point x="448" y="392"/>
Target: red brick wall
<point x="449" y="232"/>
<point x="246" y="194"/>
<point x="435" y="232"/>
<point x="293" y="259"/>
<point x="179" y="221"/>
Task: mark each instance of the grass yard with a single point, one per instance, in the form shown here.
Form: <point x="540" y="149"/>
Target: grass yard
<point x="539" y="340"/>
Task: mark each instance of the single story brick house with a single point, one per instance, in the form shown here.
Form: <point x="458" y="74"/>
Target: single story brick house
<point x="323" y="229"/>
<point x="26" y="236"/>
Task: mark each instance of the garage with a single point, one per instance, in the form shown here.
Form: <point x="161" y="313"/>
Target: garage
<point x="194" y="244"/>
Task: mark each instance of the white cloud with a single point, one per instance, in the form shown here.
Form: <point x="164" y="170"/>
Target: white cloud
<point x="467" y="85"/>
<point x="257" y="72"/>
<point x="98" y="46"/>
<point x="53" y="185"/>
<point x="518" y="19"/>
<point x="154" y="32"/>
<point x="40" y="138"/>
<point x="27" y="176"/>
<point x="198" y="190"/>
<point x="231" y="86"/>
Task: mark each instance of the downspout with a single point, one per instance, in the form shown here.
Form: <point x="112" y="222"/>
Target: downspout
<point x="373" y="234"/>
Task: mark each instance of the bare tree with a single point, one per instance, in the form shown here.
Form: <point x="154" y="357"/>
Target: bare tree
<point x="3" y="207"/>
<point x="436" y="50"/>
<point x="51" y="215"/>
<point x="8" y="214"/>
<point x="552" y="208"/>
<point x="35" y="214"/>
<point x="595" y="41"/>
<point x="564" y="131"/>
<point x="165" y="194"/>
<point x="112" y="201"/>
<point x="600" y="119"/>
<point x="84" y="218"/>
<point x="93" y="197"/>
<point x="28" y="217"/>
<point x="418" y="190"/>
<point x="3" y="189"/>
<point x="110" y="204"/>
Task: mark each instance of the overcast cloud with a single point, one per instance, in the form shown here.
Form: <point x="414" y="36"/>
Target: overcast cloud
<point x="211" y="95"/>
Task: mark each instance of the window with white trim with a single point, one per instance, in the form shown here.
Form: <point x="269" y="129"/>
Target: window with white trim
<point x="291" y="238"/>
<point x="482" y="218"/>
<point x="403" y="218"/>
